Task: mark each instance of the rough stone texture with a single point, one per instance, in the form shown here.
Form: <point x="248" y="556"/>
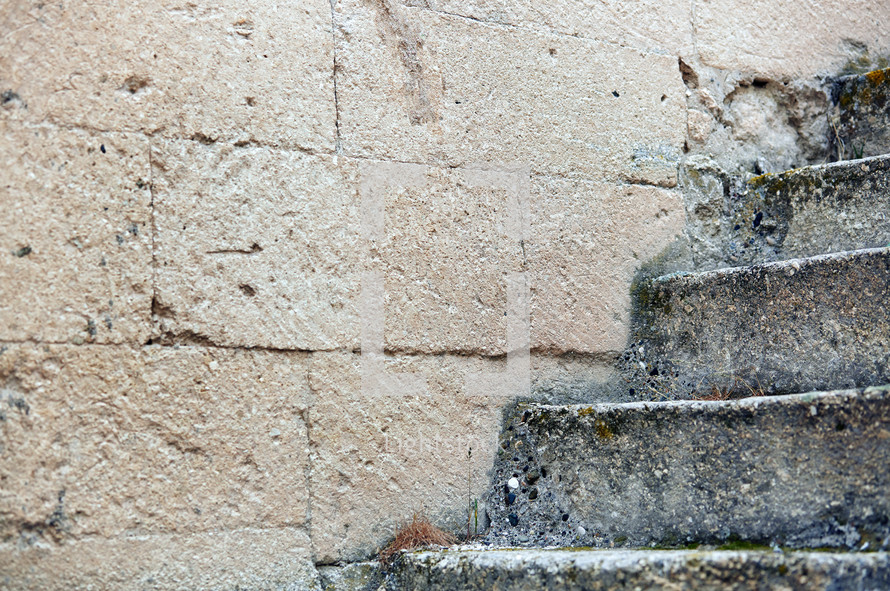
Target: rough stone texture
<point x="662" y="27"/>
<point x="810" y="211"/>
<point x="358" y="576"/>
<point x="75" y="235"/>
<point x="798" y="213"/>
<point x="861" y="115"/>
<point x="527" y="570"/>
<point x="414" y="85"/>
<point x="589" y="240"/>
<point x="247" y="559"/>
<point x="745" y="123"/>
<point x="804" y="470"/>
<point x="450" y="240"/>
<point x="109" y="441"/>
<point x="788" y="39"/>
<point x="210" y="70"/>
<point x="792" y="326"/>
<point x="381" y="454"/>
<point x="248" y="257"/>
<point x="256" y="247"/>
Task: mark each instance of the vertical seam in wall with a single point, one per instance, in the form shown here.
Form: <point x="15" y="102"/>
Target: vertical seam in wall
<point x="337" y="147"/>
<point x="154" y="261"/>
<point x="692" y="24"/>
<point x="310" y="401"/>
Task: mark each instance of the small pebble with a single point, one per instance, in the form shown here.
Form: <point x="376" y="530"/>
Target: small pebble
<point x="513" y="519"/>
<point x="513" y="483"/>
<point x="580" y="531"/>
<point x="511" y="498"/>
<point x="533" y="494"/>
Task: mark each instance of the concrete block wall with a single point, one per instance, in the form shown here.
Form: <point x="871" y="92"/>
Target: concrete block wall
<point x="183" y="186"/>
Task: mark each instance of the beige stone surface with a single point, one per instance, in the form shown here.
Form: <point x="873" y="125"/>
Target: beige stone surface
<point x="664" y="27"/>
<point x="589" y="241"/>
<point x="451" y="238"/>
<point x="100" y="440"/>
<point x="214" y="70"/>
<point x="75" y="235"/>
<point x="380" y="455"/>
<point x="247" y="559"/>
<point x="414" y="85"/>
<point x="259" y="247"/>
<point x="785" y="39"/>
<point x="256" y="246"/>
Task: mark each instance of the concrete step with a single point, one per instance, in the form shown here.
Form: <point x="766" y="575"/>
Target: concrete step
<point x="806" y="470"/>
<point x="818" y="323"/>
<point x="590" y="570"/>
<point x="860" y="121"/>
<point x="809" y="211"/>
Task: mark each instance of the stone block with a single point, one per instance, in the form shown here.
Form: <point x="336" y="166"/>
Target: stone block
<point x="108" y="441"/>
<point x="572" y="569"/>
<point x="256" y="246"/>
<point x="75" y="235"/>
<point x="417" y="86"/>
<point x="661" y="27"/>
<point x="781" y="328"/>
<point x="789" y="39"/>
<point x="247" y="559"/>
<point x="589" y="241"/>
<point x="208" y="70"/>
<point x="381" y="454"/>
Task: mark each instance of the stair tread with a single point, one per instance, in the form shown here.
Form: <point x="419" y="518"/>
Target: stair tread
<point x="526" y="569"/>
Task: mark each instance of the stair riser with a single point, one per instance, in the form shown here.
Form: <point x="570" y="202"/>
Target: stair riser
<point x="796" y="326"/>
<point x="810" y="211"/>
<point x="862" y="116"/>
<point x="804" y="471"/>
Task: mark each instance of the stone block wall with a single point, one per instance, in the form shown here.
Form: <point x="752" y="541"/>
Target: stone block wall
<point x="184" y="233"/>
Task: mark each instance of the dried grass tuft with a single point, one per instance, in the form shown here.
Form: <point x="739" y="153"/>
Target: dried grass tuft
<point x="417" y="534"/>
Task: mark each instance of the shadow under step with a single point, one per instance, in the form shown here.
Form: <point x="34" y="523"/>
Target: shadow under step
<point x="804" y="470"/>
<point x="589" y="570"/>
<point x="793" y="326"/>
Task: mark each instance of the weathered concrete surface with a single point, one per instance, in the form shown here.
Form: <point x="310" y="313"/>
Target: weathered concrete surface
<point x="577" y="570"/>
<point x="247" y="559"/>
<point x="803" y="470"/>
<point x="380" y="454"/>
<point x="662" y="27"/>
<point x="589" y="240"/>
<point x="798" y="213"/>
<point x="210" y="70"/>
<point x="75" y="235"/>
<point x="861" y="116"/>
<point x="788" y="39"/>
<point x="810" y="211"/>
<point x="111" y="441"/>
<point x="357" y="576"/>
<point x="256" y="247"/>
<point x="410" y="90"/>
<point x="785" y="327"/>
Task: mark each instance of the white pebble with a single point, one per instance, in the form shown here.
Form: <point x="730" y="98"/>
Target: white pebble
<point x="513" y="483"/>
